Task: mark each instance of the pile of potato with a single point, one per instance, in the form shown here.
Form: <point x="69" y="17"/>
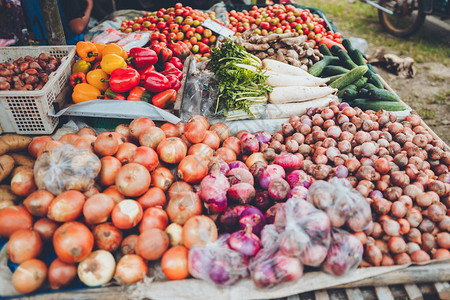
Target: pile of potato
<point x="12" y="163"/>
<point x="28" y="73"/>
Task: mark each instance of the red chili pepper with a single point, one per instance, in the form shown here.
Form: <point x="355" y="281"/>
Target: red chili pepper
<point x="179" y="49"/>
<point x="111" y="95"/>
<point x="77" y="78"/>
<point x="155" y="82"/>
<point x="169" y="68"/>
<point x="124" y="79"/>
<point x="175" y="84"/>
<point x="145" y="71"/>
<point x="176" y="62"/>
<point x="139" y="94"/>
<point x="165" y="99"/>
<point x="141" y="58"/>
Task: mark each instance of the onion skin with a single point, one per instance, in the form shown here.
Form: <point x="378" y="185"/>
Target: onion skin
<point x="152" y="244"/>
<point x="128" y="244"/>
<point x="97" y="269"/>
<point x="23" y="245"/>
<point x="131" y="268"/>
<point x="420" y="256"/>
<point x="73" y="242"/>
<point x="245" y="242"/>
<point x="61" y="274"/>
<point x="29" y="276"/>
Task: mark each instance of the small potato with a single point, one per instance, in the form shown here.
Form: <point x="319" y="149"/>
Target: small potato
<point x="23" y="160"/>
<point x="6" y="166"/>
<point x="6" y="194"/>
<point x="14" y="143"/>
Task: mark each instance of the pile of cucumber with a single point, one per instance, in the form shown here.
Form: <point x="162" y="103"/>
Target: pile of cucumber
<point x="356" y="80"/>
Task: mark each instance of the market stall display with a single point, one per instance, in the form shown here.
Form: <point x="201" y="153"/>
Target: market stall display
<point x="339" y="191"/>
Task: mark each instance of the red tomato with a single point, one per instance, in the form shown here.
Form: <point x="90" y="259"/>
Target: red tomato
<point x="178" y="5"/>
<point x="200" y="29"/>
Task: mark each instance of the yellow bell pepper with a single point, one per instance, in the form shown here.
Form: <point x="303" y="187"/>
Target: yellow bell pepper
<point x="95" y="77"/>
<point x="81" y="66"/>
<point x="113" y="48"/>
<point x="100" y="48"/>
<point x="87" y="51"/>
<point x="84" y="92"/>
<point x="110" y="62"/>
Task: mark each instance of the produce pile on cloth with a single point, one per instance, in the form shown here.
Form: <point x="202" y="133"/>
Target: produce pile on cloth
<point x="341" y="185"/>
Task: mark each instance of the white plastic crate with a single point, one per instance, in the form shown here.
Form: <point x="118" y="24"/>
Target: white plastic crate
<point x="26" y="112"/>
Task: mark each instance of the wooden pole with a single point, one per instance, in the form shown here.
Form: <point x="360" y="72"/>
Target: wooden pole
<point x="52" y="22"/>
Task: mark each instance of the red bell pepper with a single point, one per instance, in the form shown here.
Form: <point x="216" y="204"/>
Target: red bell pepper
<point x="155" y="82"/>
<point x="176" y="62"/>
<point x="97" y="65"/>
<point x="165" y="99"/>
<point x="77" y="78"/>
<point x="169" y="68"/>
<point x="139" y="94"/>
<point x="145" y="71"/>
<point x="175" y="84"/>
<point x="111" y="95"/>
<point x="141" y="58"/>
<point x="164" y="54"/>
<point x="124" y="79"/>
<point x="179" y="49"/>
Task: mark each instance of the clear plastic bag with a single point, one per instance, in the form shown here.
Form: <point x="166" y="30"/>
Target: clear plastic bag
<point x="306" y="231"/>
<point x="271" y="266"/>
<point x="66" y="168"/>
<point x="343" y="204"/>
<point x="217" y="263"/>
<point x="344" y="255"/>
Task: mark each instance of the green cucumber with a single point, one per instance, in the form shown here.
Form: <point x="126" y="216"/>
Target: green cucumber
<point x="374" y="79"/>
<point x="363" y="93"/>
<point x="340" y="93"/>
<point x="360" y="82"/>
<point x="369" y="86"/>
<point x="334" y="70"/>
<point x="366" y="104"/>
<point x="349" y="77"/>
<point x="357" y="57"/>
<point x="318" y="67"/>
<point x="349" y="94"/>
<point x="324" y="50"/>
<point x="346" y="61"/>
<point x="334" y="78"/>
<point x="382" y="95"/>
<point x="347" y="45"/>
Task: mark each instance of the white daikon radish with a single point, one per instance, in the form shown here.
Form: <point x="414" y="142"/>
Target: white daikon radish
<point x="288" y="94"/>
<point x="276" y="80"/>
<point x="282" y="68"/>
<point x="287" y="110"/>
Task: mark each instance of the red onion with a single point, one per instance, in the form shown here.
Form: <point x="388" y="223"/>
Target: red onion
<point x="269" y="174"/>
<point x="343" y="105"/>
<point x="263" y="274"/>
<point x="287" y="129"/>
<point x="257" y="169"/>
<point x="362" y="137"/>
<point x="262" y="200"/>
<point x="219" y="272"/>
<point x="263" y="137"/>
<point x="314" y="255"/>
<point x="242" y="193"/>
<point x="344" y="255"/>
<point x="272" y="211"/>
<point x="299" y="178"/>
<point x="245" y="242"/>
<point x="345" y="146"/>
<point x="217" y="164"/>
<point x="368" y="149"/>
<point x="240" y="175"/>
<point x="291" y="146"/>
<point x="288" y="161"/>
<point x="340" y="171"/>
<point x="249" y="144"/>
<point x="229" y="220"/>
<point x="298" y="192"/>
<point x="376" y="194"/>
<point x="435" y="212"/>
<point x="237" y="164"/>
<point x="253" y="217"/>
<point x="216" y="203"/>
<point x="332" y="152"/>
<point x="321" y="171"/>
<point x="200" y="260"/>
<point x="287" y="269"/>
<point x="278" y="189"/>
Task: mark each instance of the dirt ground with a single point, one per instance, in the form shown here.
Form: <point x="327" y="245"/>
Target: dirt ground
<point x="428" y="93"/>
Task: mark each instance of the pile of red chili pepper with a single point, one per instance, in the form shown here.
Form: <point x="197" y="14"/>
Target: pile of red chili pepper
<point x="151" y="74"/>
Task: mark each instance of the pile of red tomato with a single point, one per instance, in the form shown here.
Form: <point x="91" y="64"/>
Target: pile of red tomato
<point x="281" y="18"/>
<point x="179" y="23"/>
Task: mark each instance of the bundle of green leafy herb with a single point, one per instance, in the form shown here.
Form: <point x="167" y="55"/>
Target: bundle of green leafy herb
<point x="240" y="80"/>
